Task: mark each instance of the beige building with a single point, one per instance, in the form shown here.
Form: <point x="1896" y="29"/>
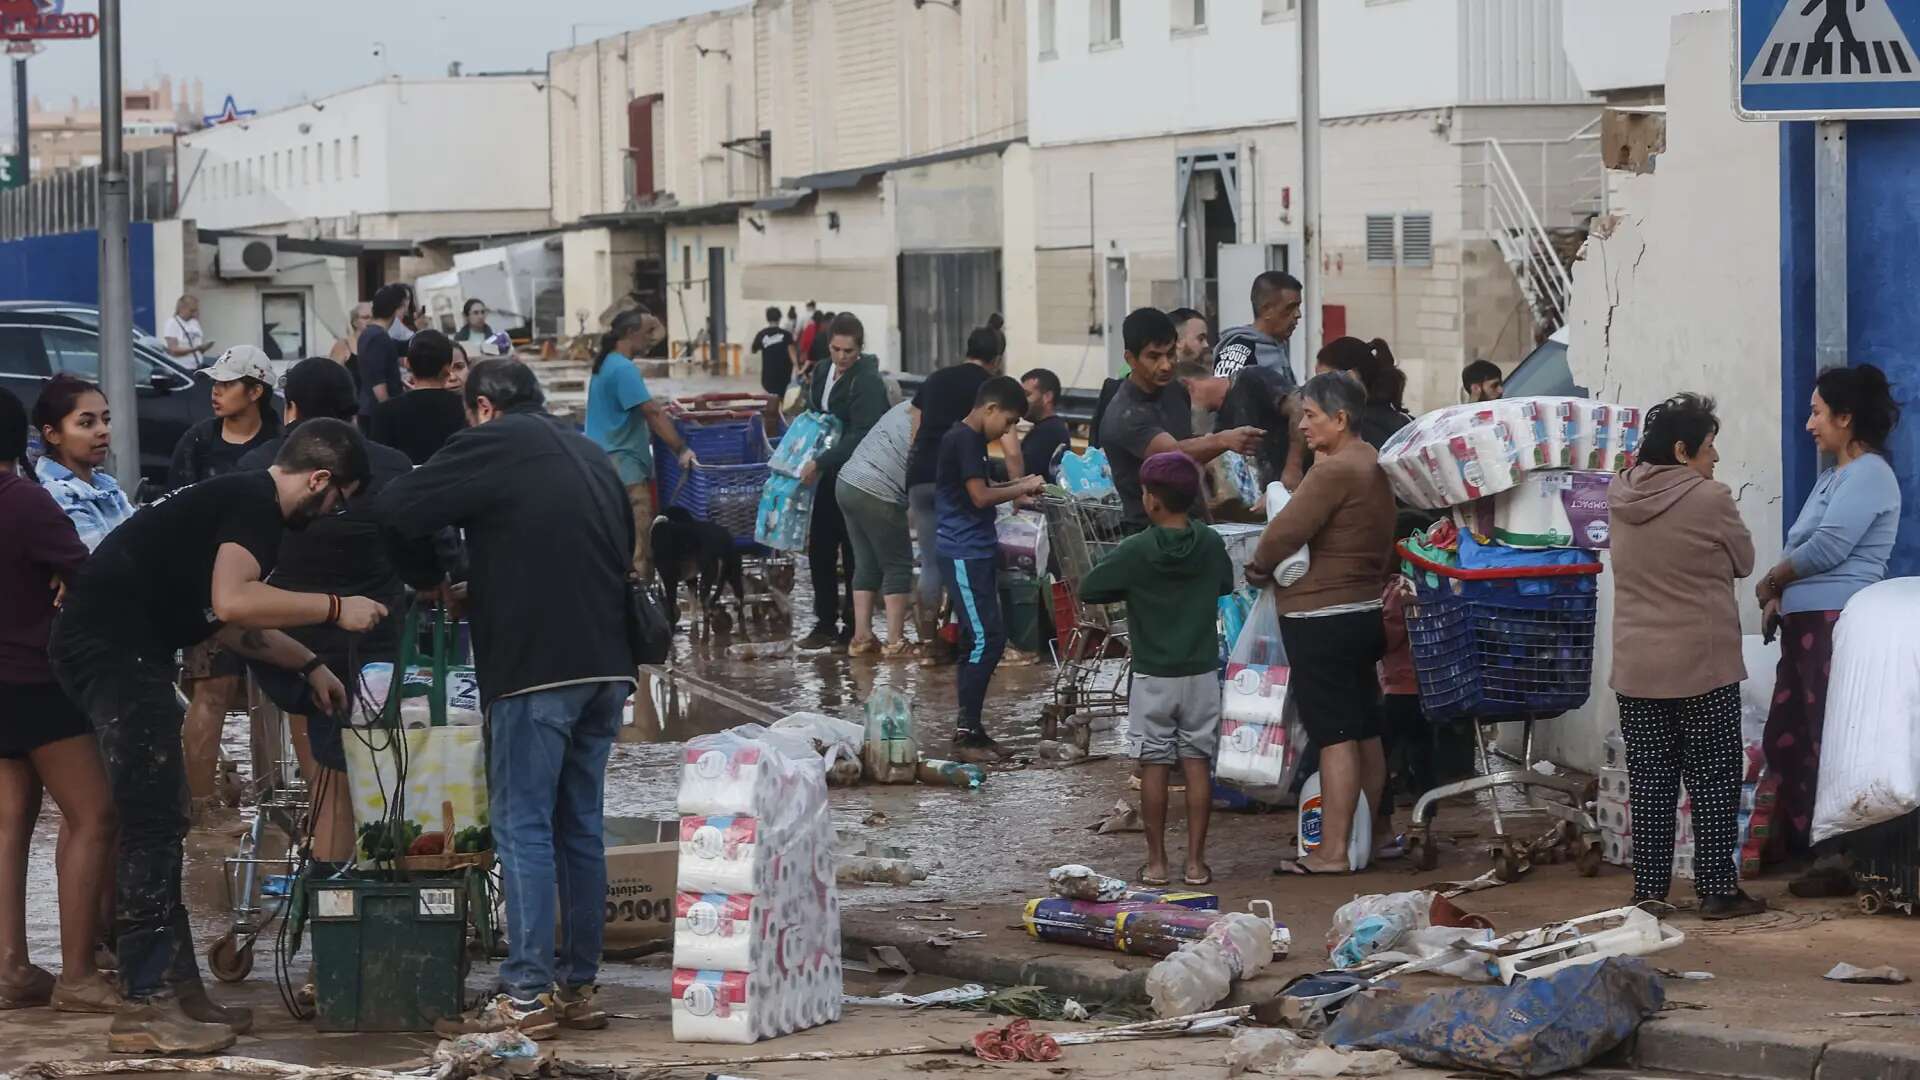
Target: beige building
<point x="69" y="138"/>
<point x="849" y="152"/>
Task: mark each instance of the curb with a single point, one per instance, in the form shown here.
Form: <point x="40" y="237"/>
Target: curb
<point x="1684" y="1046"/>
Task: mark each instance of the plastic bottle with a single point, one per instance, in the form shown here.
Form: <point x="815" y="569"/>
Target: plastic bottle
<point x="891" y="753"/>
<point x="1359" y="844"/>
<point x="950" y="773"/>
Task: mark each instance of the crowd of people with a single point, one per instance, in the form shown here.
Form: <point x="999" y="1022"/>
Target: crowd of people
<point x="298" y="530"/>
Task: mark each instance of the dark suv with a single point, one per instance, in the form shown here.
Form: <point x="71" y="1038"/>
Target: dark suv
<point x="41" y="338"/>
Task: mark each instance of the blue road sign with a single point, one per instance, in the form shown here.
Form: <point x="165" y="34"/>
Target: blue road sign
<point x="1832" y="59"/>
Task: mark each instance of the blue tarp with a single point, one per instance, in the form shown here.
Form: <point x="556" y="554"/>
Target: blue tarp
<point x="1536" y="1027"/>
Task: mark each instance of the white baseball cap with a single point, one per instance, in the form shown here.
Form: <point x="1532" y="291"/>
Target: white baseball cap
<point x="242" y="362"/>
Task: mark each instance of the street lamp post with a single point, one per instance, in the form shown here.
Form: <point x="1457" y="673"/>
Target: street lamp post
<point x="116" y="290"/>
<point x="1310" y="172"/>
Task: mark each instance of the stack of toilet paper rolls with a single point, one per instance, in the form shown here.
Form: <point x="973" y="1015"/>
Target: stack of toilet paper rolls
<point x="1463" y="453"/>
<point x="756" y="933"/>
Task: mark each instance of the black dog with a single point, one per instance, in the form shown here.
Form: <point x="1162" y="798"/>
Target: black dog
<point x="685" y="549"/>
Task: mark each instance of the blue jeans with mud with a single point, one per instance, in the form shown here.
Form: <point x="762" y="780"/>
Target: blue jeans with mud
<point x="546" y="779"/>
<point x="137" y="718"/>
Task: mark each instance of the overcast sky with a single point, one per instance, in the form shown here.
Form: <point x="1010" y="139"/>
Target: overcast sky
<point x="309" y="48"/>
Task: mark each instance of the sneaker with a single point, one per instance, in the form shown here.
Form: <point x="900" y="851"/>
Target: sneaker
<point x="820" y="640"/>
<point x="29" y="990"/>
<point x="536" y="1019"/>
<point x="975" y="748"/>
<point x="160" y="1026"/>
<point x="1737" y="905"/>
<point x="864" y="647"/>
<point x="937" y="653"/>
<point x="577" y="1010"/>
<point x="89" y="994"/>
<point x="898" y="650"/>
<point x="198" y="1006"/>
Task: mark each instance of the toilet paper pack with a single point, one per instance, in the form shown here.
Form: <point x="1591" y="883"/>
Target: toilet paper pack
<point x="1467" y="452"/>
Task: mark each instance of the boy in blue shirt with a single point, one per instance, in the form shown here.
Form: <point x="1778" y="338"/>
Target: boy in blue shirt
<point x="969" y="546"/>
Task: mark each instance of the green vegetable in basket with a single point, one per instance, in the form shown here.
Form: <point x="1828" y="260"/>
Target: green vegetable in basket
<point x="473" y="838"/>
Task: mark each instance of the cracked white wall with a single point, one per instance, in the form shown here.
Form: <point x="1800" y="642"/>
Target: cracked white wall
<point x="1680" y="290"/>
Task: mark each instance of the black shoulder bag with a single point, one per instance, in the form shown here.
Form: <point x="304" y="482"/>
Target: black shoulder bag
<point x="649" y="633"/>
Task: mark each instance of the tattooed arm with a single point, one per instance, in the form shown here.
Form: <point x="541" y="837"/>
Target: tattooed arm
<point x="279" y="650"/>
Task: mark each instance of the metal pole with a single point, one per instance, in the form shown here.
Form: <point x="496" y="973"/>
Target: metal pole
<point x="1829" y="249"/>
<point x="22" y="145"/>
<point x="116" y="289"/>
<point x="1310" y="176"/>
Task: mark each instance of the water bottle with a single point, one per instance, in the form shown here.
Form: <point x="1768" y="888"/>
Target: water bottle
<point x="951" y="774"/>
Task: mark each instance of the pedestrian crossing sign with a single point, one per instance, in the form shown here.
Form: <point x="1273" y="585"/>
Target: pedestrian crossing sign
<point x="1831" y="59"/>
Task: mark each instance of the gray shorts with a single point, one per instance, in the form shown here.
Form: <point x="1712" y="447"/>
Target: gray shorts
<point x="1170" y="718"/>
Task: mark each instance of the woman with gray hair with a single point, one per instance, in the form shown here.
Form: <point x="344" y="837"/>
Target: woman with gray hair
<point x="1343" y="513"/>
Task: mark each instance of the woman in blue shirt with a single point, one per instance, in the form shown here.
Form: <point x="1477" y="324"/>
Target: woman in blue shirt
<point x="1838" y="545"/>
<point x="74" y="424"/>
<point x="623" y="417"/>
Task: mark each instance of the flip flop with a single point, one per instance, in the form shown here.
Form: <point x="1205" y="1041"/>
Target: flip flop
<point x="1395" y="848"/>
<point x="1141" y="878"/>
<point x="1293" y="867"/>
<point x="1192" y="882"/>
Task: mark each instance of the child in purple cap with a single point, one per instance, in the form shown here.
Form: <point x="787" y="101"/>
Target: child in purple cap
<point x="1171" y="577"/>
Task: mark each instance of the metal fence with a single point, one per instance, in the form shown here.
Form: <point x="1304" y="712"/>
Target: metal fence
<point x="69" y="200"/>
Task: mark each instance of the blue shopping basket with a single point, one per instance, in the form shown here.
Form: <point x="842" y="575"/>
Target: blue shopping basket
<point x="1507" y="642"/>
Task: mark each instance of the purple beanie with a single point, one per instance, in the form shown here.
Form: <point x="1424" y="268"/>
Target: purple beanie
<point x="1172" y="471"/>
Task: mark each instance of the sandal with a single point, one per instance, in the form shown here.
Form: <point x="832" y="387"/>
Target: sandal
<point x="1298" y="867"/>
<point x="1395" y="848"/>
<point x="1202" y="881"/>
<point x="1140" y="878"/>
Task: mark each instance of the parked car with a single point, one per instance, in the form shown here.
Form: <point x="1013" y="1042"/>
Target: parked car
<point x="1545" y="372"/>
<point x="37" y="340"/>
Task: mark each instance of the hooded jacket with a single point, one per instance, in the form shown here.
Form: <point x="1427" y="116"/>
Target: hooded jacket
<point x="1678" y="547"/>
<point x="1242" y="346"/>
<point x="1171" y="580"/>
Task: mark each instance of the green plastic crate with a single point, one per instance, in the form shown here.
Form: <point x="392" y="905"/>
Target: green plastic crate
<point x="389" y="953"/>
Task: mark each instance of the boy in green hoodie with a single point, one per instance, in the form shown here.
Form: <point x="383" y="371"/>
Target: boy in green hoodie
<point x="1171" y="577"/>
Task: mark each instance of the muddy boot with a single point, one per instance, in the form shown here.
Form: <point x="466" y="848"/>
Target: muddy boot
<point x="93" y="994"/>
<point x="28" y="990"/>
<point x="978" y="748"/>
<point x="537" y="1019"/>
<point x="578" y="1011"/>
<point x="160" y="1026"/>
<point x="197" y="1005"/>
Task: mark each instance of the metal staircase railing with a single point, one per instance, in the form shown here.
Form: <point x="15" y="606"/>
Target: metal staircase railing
<point x="1510" y="217"/>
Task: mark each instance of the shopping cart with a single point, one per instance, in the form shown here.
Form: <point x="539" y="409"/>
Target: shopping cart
<point x="1499" y="646"/>
<point x="258" y="883"/>
<point x="1091" y="665"/>
<point x="728" y="437"/>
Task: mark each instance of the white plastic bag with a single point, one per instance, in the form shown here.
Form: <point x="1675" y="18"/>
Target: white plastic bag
<point x="1869" y="756"/>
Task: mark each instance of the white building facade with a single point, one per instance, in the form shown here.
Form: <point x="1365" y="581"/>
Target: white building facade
<point x="1166" y="171"/>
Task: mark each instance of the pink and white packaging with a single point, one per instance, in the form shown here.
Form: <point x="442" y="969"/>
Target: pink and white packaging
<point x="756" y="939"/>
<point x="1466" y="452"/>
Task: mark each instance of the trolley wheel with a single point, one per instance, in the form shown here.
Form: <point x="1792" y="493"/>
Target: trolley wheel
<point x="1589" y="861"/>
<point x="229" y="960"/>
<point x="1871" y="903"/>
<point x="1422" y="852"/>
<point x="1505" y="866"/>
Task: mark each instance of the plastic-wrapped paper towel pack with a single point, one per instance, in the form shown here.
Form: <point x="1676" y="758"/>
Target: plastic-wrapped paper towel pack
<point x="756" y="944"/>
<point x="1558" y="508"/>
<point x="1463" y="453"/>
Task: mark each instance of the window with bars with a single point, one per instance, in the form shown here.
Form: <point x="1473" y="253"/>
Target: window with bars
<point x="1416" y="239"/>
<point x="1188" y="16"/>
<point x="1380" y="249"/>
<point x="1105" y="29"/>
<point x="1278" y="9"/>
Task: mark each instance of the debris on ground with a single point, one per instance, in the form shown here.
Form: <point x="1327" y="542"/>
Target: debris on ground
<point x="1536" y="1027"/>
<point x="1200" y="975"/>
<point x="1885" y="975"/>
<point x="1122" y="818"/>
<point x="1015" y="1042"/>
<point x="1077" y="882"/>
<point x="864" y="870"/>
<point x="953" y="997"/>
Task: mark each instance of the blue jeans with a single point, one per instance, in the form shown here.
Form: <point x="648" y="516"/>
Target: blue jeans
<point x="546" y="780"/>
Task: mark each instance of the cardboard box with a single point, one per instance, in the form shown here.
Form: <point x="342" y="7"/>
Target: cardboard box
<point x="643" y="870"/>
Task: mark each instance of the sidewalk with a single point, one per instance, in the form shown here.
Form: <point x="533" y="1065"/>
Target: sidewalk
<point x="1767" y="1012"/>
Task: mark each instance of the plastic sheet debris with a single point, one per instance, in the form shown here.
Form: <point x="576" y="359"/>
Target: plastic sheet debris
<point x="1122" y="818"/>
<point x="1200" y="975"/>
<point x="1587" y="940"/>
<point x="1885" y="975"/>
<point x="1257" y="1049"/>
<point x="865" y="870"/>
<point x="1536" y="1027"/>
<point x="1380" y="922"/>
<point x="1078" y="882"/>
<point x="953" y="995"/>
<point x="1015" y="1042"/>
<point x="1310" y="1002"/>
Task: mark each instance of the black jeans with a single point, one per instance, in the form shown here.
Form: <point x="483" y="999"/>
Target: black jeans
<point x="137" y="718"/>
<point x="828" y="545"/>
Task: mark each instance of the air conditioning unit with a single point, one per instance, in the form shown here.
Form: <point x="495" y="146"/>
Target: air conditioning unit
<point x="248" y="257"/>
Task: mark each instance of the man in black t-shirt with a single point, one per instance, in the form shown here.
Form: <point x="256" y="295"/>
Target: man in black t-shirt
<point x="419" y="421"/>
<point x="944" y="400"/>
<point x="1049" y="432"/>
<point x="184" y="569"/>
<point x="378" y="351"/>
<point x="1151" y="414"/>
<point x="775" y="347"/>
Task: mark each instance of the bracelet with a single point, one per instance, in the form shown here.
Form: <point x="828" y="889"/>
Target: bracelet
<point x="312" y="665"/>
<point x="333" y="608"/>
